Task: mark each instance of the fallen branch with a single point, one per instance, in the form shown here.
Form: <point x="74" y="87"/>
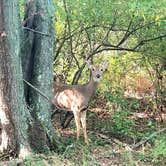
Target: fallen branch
<point x="110" y="140"/>
<point x="147" y="139"/>
<point x="126" y="146"/>
<point x="105" y="137"/>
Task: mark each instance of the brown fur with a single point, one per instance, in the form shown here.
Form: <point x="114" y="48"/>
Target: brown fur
<point x="75" y="98"/>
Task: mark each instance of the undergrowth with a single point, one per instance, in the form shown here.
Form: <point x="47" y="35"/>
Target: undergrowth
<point x="115" y="138"/>
<point x="101" y="153"/>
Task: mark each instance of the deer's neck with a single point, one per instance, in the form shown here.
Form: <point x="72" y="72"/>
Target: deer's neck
<point x="92" y="87"/>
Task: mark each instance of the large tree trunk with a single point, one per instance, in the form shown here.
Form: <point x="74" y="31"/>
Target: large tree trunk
<point x="26" y="53"/>
<point x="39" y="31"/>
<point x="43" y="66"/>
<point x="27" y="49"/>
<point x="13" y="112"/>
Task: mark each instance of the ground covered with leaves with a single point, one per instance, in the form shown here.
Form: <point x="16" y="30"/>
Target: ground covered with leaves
<point x="117" y="138"/>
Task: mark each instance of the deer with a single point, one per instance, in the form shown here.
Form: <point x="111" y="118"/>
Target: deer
<point x="76" y="98"/>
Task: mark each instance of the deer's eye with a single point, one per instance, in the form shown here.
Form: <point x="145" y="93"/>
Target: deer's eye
<point x="101" y="69"/>
<point x="93" y="69"/>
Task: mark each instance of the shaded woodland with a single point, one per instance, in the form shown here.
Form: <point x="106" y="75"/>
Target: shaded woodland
<point x="47" y="43"/>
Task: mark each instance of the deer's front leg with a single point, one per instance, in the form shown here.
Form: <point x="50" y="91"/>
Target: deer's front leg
<point x="83" y="122"/>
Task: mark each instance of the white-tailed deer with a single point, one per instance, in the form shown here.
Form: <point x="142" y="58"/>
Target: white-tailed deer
<point x="76" y="98"/>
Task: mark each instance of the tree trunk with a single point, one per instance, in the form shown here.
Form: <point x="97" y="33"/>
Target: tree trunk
<point x="13" y="112"/>
<point x="39" y="31"/>
<point x="43" y="68"/>
<point x="26" y="52"/>
<point x="27" y="49"/>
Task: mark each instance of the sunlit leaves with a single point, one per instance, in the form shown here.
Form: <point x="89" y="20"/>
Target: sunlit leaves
<point x="21" y="7"/>
<point x="130" y="23"/>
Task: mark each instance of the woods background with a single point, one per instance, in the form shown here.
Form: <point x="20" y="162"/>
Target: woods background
<point x="45" y="40"/>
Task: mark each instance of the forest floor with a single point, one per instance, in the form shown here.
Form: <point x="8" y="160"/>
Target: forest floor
<point x="116" y="139"/>
<point x="107" y="148"/>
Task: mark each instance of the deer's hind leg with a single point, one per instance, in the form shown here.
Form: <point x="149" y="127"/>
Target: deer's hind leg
<point x="77" y="115"/>
<point x="77" y="121"/>
<point x="83" y="122"/>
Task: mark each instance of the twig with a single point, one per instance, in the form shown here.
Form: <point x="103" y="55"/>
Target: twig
<point x="41" y="93"/>
<point x="142" y="42"/>
<point x="41" y="33"/>
<point x="126" y="146"/>
<point x="150" y="137"/>
<point x="110" y="140"/>
<point x="102" y="136"/>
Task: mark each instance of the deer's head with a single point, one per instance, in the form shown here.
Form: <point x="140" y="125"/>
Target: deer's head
<point x="97" y="71"/>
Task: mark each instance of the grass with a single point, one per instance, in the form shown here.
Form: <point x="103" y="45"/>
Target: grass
<point x="112" y="137"/>
<point x="102" y="151"/>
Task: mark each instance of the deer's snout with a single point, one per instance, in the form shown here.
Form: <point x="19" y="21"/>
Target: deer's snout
<point x="98" y="75"/>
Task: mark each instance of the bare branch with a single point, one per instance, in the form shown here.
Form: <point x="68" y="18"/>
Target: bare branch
<point x="142" y="42"/>
<point x="41" y="33"/>
<point x="37" y="90"/>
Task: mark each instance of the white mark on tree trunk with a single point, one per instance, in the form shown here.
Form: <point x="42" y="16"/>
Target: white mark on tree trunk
<point x="24" y="152"/>
<point x="4" y="122"/>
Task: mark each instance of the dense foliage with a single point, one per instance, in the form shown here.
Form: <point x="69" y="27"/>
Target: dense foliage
<point x="131" y="36"/>
<point x="127" y="116"/>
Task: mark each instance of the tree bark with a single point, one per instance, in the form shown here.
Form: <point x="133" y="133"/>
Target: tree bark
<point x="40" y="22"/>
<point x="27" y="49"/>
<point x="26" y="52"/>
<point x="12" y="103"/>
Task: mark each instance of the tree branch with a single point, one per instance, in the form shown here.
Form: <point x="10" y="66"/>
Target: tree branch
<point x="142" y="42"/>
<point x="37" y="90"/>
<point x="41" y="33"/>
<point x="147" y="139"/>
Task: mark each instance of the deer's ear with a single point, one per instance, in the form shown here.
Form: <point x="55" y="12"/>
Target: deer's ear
<point x="89" y="63"/>
<point x="105" y="65"/>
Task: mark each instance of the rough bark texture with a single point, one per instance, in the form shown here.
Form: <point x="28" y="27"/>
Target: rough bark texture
<point x="5" y="141"/>
<point x="43" y="68"/>
<point x="26" y="52"/>
<point x="11" y="88"/>
<point x="27" y="49"/>
<point x="39" y="31"/>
